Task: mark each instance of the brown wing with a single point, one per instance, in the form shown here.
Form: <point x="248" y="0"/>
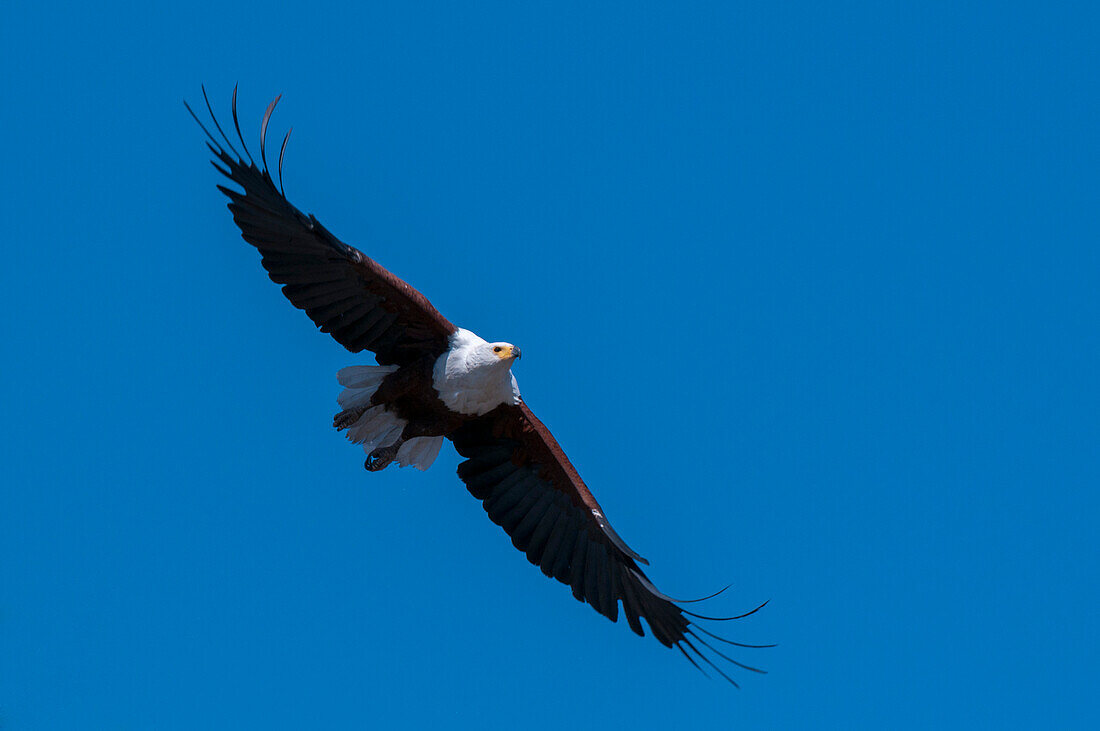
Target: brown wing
<point x="345" y="292"/>
<point x="528" y="487"/>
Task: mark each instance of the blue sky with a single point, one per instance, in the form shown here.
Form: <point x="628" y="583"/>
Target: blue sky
<point x="808" y="294"/>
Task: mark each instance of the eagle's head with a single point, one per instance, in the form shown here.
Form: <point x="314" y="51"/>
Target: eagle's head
<point x="505" y="352"/>
<point x="492" y="356"/>
<point x="475" y="376"/>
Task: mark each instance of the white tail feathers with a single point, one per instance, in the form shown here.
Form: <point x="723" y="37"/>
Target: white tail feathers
<point x="378" y="426"/>
<point x="419" y="452"/>
<point x="360" y="383"/>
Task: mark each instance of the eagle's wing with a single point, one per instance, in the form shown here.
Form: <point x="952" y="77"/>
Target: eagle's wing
<point x="528" y="487"/>
<point x="346" y="293"/>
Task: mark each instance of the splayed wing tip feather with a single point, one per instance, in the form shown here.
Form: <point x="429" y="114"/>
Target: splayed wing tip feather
<point x="282" y="154"/>
<point x="731" y="642"/>
<point x="210" y="108"/>
<point x="726" y="657"/>
<point x="237" y="125"/>
<point x="710" y="662"/>
<point x="726" y="619"/>
<point x="701" y="599"/>
<point x="263" y="130"/>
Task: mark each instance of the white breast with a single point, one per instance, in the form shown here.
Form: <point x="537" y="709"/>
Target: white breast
<point x="470" y="379"/>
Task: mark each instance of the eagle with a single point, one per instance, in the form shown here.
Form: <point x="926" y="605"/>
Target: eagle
<point x="435" y="381"/>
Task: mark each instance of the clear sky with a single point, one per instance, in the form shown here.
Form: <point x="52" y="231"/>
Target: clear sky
<point x="807" y="293"/>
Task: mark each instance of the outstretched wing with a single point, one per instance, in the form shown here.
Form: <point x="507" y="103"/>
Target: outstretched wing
<point x="345" y="292"/>
<point x="528" y="487"/>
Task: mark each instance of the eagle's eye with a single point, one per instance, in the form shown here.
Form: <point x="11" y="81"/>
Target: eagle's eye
<point x="497" y="349"/>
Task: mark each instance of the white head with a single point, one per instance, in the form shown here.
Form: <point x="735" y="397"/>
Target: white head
<point x="497" y="355"/>
<point x="474" y="376"/>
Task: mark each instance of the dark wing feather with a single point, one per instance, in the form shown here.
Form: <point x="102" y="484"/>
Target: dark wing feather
<point x="345" y="292"/>
<point x="528" y="487"/>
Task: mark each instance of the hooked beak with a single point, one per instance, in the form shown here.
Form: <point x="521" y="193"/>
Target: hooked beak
<point x="516" y="354"/>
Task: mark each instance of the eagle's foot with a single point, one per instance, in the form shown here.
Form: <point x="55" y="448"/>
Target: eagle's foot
<point x="382" y="457"/>
<point x="348" y="417"/>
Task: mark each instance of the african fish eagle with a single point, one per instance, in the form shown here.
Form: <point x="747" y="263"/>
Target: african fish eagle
<point x="434" y="381"/>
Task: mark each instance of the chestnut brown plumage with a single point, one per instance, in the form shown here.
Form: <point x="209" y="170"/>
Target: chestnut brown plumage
<point x="513" y="465"/>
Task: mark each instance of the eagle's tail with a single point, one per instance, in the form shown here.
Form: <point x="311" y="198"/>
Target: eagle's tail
<point x="374" y="425"/>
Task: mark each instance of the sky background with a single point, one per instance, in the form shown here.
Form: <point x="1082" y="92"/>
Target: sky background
<point x="807" y="293"/>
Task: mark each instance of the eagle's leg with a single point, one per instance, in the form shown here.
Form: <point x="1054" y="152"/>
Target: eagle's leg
<point x="381" y="458"/>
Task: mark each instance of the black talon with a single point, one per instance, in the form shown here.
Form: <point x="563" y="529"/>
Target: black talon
<point x="382" y="457"/>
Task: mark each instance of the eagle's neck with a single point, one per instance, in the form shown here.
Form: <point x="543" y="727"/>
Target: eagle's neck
<point x="469" y="384"/>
